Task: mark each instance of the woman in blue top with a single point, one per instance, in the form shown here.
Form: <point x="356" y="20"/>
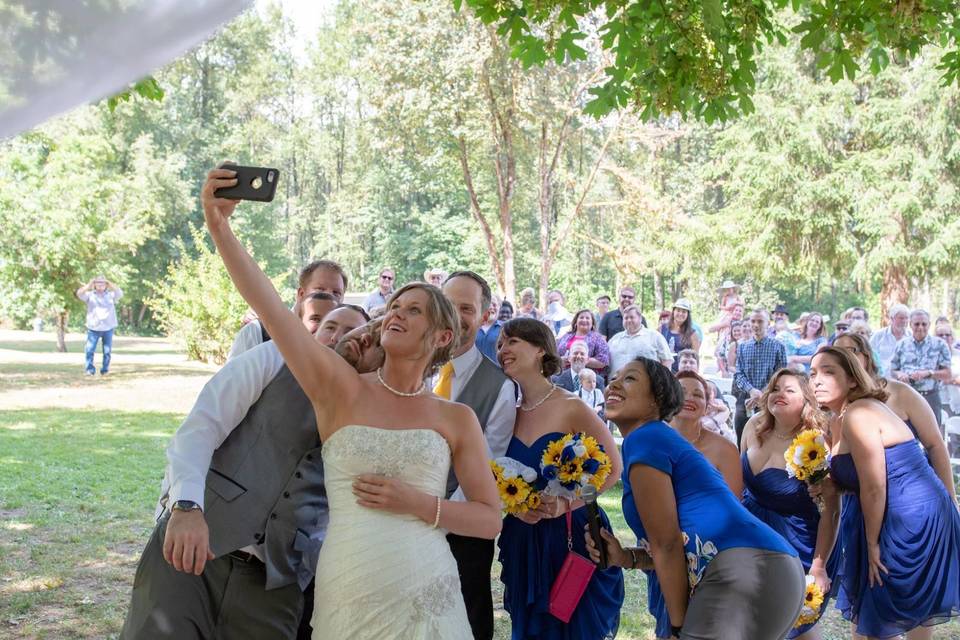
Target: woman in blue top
<point x="788" y="407"/>
<point x="724" y="574"/>
<point x="812" y="336"/>
<point x="900" y="530"/>
<point x="533" y="545"/>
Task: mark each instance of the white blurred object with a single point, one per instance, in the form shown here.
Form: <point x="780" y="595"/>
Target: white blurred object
<point x="57" y="54"/>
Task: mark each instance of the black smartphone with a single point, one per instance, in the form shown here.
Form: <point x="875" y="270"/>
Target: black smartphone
<point x="253" y="183"/>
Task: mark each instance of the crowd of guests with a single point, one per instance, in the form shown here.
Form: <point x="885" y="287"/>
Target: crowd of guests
<point x="394" y="530"/>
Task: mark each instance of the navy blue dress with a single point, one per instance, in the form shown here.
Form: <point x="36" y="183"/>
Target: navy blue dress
<point x="711" y="517"/>
<point x="919" y="545"/>
<point x="785" y="505"/>
<point x="531" y="556"/>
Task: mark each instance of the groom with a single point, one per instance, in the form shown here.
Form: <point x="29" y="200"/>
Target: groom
<point x="473" y="380"/>
<point x="244" y="512"/>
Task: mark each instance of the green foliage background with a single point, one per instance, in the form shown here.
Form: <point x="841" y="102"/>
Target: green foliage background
<point x="829" y="194"/>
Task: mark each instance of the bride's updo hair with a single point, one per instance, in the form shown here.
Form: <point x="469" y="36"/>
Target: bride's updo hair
<point x="441" y="316"/>
<point x="540" y="336"/>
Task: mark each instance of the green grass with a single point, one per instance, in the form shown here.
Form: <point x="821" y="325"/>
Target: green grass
<point x="76" y="495"/>
<point x="77" y="491"/>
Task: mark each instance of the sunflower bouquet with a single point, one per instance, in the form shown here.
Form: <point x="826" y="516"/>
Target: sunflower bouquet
<point x="808" y="458"/>
<point x="572" y="462"/>
<point x="516" y="484"/>
<point x="812" y="602"/>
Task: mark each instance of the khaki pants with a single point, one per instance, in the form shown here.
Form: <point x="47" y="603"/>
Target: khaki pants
<point x="228" y="601"/>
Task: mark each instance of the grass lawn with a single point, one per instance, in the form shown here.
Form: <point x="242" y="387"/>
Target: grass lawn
<point x="78" y="485"/>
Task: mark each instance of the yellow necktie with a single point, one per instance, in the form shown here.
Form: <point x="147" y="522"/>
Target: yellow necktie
<point x="444" y="381"/>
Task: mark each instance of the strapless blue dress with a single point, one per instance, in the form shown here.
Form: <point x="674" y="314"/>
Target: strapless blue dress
<point x="784" y="504"/>
<point x="919" y="545"/>
<point x="531" y="557"/>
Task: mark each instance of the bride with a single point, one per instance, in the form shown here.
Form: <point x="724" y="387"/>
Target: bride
<point x="385" y="569"/>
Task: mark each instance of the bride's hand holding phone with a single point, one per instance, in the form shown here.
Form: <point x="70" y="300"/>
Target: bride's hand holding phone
<point x="216" y="211"/>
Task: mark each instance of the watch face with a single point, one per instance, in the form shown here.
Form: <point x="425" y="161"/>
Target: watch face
<point x="185" y="505"/>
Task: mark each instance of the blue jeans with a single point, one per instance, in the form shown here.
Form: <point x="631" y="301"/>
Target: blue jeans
<point x="92" y="338"/>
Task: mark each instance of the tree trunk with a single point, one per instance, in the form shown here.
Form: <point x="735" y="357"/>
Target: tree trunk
<point x="657" y="291"/>
<point x="62" y="331"/>
<point x="140" y="316"/>
<point x="895" y="290"/>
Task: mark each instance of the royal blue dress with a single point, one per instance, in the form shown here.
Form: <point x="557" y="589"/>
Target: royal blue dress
<point x="785" y="505"/>
<point x="711" y="517"/>
<point x="919" y="545"/>
<point x="531" y="556"/>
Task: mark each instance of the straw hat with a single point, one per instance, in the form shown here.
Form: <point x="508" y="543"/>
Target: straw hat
<point x="682" y="303"/>
<point x="728" y="284"/>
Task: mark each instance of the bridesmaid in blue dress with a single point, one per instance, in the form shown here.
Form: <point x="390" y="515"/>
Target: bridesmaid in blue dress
<point x="723" y="573"/>
<point x="909" y="407"/>
<point x="533" y="545"/>
<point x="900" y="571"/>
<point x="788" y="407"/>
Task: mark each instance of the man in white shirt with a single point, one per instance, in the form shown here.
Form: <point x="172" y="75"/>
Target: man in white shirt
<point x="253" y="474"/>
<point x="636" y="340"/>
<point x="475" y="381"/>
<point x="100" y="296"/>
<point x="324" y="276"/>
<point x="884" y="341"/>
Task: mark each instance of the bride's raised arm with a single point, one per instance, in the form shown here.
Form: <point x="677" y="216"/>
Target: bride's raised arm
<point x="320" y="372"/>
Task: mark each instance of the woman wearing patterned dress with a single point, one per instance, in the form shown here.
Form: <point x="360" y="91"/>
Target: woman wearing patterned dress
<point x="788" y="407"/>
<point x="724" y="574"/>
<point x="900" y="530"/>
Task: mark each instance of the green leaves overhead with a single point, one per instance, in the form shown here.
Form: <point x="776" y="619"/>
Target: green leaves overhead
<point x="697" y="57"/>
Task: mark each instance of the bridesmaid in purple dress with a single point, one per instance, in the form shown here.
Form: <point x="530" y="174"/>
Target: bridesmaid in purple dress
<point x="900" y="571"/>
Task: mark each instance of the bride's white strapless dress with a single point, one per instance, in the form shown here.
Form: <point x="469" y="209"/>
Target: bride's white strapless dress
<point x="382" y="575"/>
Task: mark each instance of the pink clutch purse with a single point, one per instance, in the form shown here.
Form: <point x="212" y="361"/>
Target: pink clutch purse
<point x="571" y="581"/>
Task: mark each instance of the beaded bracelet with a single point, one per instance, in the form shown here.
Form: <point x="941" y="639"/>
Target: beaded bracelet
<point x="436" y="520"/>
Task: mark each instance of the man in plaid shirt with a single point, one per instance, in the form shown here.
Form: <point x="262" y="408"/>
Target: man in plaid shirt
<point x="757" y="360"/>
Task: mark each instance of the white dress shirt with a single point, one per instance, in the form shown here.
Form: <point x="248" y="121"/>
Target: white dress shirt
<point x="249" y="336"/>
<point x="502" y="418"/>
<point x="221" y="406"/>
<point x="648" y="343"/>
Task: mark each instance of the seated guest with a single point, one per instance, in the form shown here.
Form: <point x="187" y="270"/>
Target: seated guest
<point x="718" y="571"/>
<point x="435" y="276"/>
<point x="589" y="393"/>
<point x="584" y="332"/>
<point x="612" y="322"/>
<point x="569" y="379"/>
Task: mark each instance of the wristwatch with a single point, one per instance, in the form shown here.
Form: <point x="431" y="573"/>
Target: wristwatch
<point x="185" y="505"/>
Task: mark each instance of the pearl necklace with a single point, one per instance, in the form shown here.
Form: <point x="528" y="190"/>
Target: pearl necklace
<point x="553" y="388"/>
<point x="402" y="394"/>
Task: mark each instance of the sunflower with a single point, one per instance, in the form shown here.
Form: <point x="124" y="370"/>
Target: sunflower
<point x="812" y="601"/>
<point x="513" y="493"/>
<point x="571" y="471"/>
<point x="551" y="455"/>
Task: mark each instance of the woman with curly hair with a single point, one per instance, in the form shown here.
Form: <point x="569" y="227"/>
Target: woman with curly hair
<point x="722" y="572"/>
<point x="534" y="544"/>
<point x="900" y="530"/>
<point x="788" y="407"/>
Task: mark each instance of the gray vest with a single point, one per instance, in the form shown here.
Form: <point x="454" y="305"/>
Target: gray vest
<point x="480" y="394"/>
<point x="265" y="485"/>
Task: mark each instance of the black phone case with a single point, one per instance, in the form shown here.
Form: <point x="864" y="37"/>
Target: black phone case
<point x="253" y="183"/>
